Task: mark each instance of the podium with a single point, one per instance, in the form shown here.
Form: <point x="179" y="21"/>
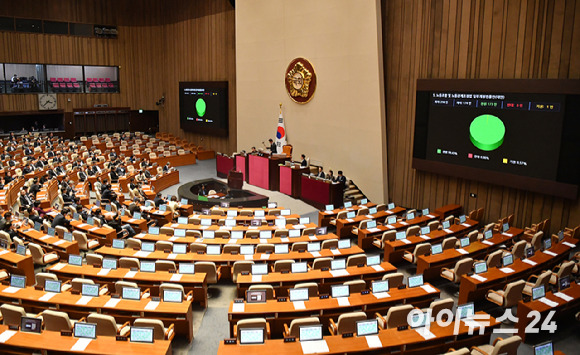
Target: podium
<point x="263" y="171"/>
<point x="235" y="180"/>
<point x="319" y="193"/>
<point x="290" y="179"/>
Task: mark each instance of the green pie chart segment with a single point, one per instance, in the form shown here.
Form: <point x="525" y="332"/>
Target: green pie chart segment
<point x="487" y="132"/>
<point x="200" y="107"/>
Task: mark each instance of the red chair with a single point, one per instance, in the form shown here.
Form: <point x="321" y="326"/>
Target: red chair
<point x="52" y="80"/>
<point x="62" y="85"/>
<point x="69" y="85"/>
<point x="60" y="80"/>
<point x="67" y="80"/>
<point x="107" y="80"/>
<point x="76" y="86"/>
<point x="74" y="80"/>
<point x="89" y="80"/>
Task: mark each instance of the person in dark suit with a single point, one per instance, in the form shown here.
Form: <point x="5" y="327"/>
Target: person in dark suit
<point x="60" y="220"/>
<point x="108" y="193"/>
<point x="28" y="151"/>
<point x="158" y="200"/>
<point x="273" y="147"/>
<point x="82" y="176"/>
<point x="330" y="176"/>
<point x="321" y="173"/>
<point x="25" y="199"/>
<point x="34" y="188"/>
<point x="114" y="176"/>
<point x="340" y="177"/>
<point x="166" y="167"/>
<point x="304" y="162"/>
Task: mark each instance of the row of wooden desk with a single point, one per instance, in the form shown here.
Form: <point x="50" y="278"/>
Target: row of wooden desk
<point x="344" y="226"/>
<point x="243" y="241"/>
<point x="18" y="264"/>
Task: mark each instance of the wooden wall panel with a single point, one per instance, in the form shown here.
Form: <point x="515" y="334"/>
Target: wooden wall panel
<point x="487" y="39"/>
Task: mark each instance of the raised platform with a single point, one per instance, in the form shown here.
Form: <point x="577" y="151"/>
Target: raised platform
<point x="236" y="198"/>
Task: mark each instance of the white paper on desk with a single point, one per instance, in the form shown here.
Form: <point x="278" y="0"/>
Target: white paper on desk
<point x="466" y="224"/>
<point x="82" y="225"/>
<point x="528" y="261"/>
<point x="249" y="257"/>
<point x="238" y="307"/>
<point x="132" y="220"/>
<point x="462" y="251"/>
<point x="335" y="251"/>
<point x="373" y="230"/>
<point x="130" y="274"/>
<point x="47" y="296"/>
<point x="2" y="252"/>
<point x="448" y="231"/>
<point x="389" y="226"/>
<point x="285" y="240"/>
<point x="176" y="277"/>
<point x="479" y="278"/>
<point x="224" y="228"/>
<point x="350" y="220"/>
<point x="343" y="301"/>
<point x="84" y="300"/>
<point x="569" y="244"/>
<point x="406" y="241"/>
<point x="58" y="266"/>
<point x="103" y="272"/>
<point x="263" y="241"/>
<point x="59" y="242"/>
<point x="425" y="333"/>
<point x="550" y="253"/>
<point x="373" y="341"/>
<point x="315" y="254"/>
<point x="563" y="296"/>
<point x="171" y="239"/>
<point x="252" y="227"/>
<point x="141" y="254"/>
<point x="232" y="241"/>
<point x="548" y="302"/>
<point x="264" y="256"/>
<point x="199" y="240"/>
<point x="428" y="288"/>
<point x="171" y="256"/>
<point x="45" y="237"/>
<point x="204" y="227"/>
<point x="429" y="215"/>
<point x="508" y="234"/>
<point x="487" y="242"/>
<point x="11" y="289"/>
<point x="381" y="295"/>
<point x="299" y="226"/>
<point x="506" y="270"/>
<point x="140" y="235"/>
<point x="151" y="306"/>
<point x="337" y="273"/>
<point x="312" y="237"/>
<point x="256" y="278"/>
<point x="7" y="334"/>
<point x="112" y="302"/>
<point x="299" y="305"/>
<point x="174" y="225"/>
<point x="314" y="347"/>
<point x="378" y="268"/>
<point x="81" y="344"/>
<point x="93" y="229"/>
<point x="426" y="237"/>
<point x="328" y="212"/>
<point x="404" y="223"/>
<point x="370" y="216"/>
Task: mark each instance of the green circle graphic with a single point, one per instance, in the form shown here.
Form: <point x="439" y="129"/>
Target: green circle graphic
<point x="487" y="132"/>
<point x="200" y="107"/>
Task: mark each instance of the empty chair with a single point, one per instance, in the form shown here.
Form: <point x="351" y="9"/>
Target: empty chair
<point x="536" y="281"/>
<point x="536" y="241"/>
<point x="128" y="263"/>
<point x="440" y="305"/>
<point x="197" y="247"/>
<point x="94" y="259"/>
<point x="265" y="248"/>
<point x="356" y="286"/>
<point x="395" y="279"/>
<point x="192" y="233"/>
<point x="346" y="323"/>
<point x="281" y="233"/>
<point x="60" y="230"/>
<point x="194" y="221"/>
<point x="462" y="267"/>
<point x="283" y="265"/>
<point x="40" y="256"/>
<point x="294" y="329"/>
<point x="84" y="243"/>
<point x="159" y="330"/>
<point x="77" y="285"/>
<point x="274" y="212"/>
<point x="162" y="245"/>
<point x="509" y="296"/>
<point x="507" y="346"/>
<point x="433" y="225"/>
<point x="133" y="243"/>
<point x="355" y="260"/>
<point x="176" y="287"/>
<point x="472" y="236"/>
<point x="259" y="323"/>
<point x="224" y="234"/>
<point x="562" y="270"/>
<point x="361" y="225"/>
<point x="395" y="317"/>
<point x="387" y="236"/>
<point x="165" y="265"/>
<point x="330" y="244"/>
<point x="166" y="230"/>
<point x="246" y="213"/>
<point x="518" y="249"/>
<point x="241" y="266"/>
<point x="253" y="234"/>
<point x="41" y="277"/>
<point x="340" y="215"/>
<point x="6" y="237"/>
<point x="420" y="249"/>
<point x="293" y="221"/>
<point x="56" y="321"/>
<point x="213" y="273"/>
<point x="270" y="295"/>
<point x="107" y="326"/>
<point x="311" y="286"/>
<point x="309" y="231"/>
<point x="320" y="263"/>
<point x="494" y="259"/>
<point x="462" y="351"/>
<point x="11" y="314"/>
<point x="298" y="246"/>
<point x="449" y="243"/>
<point x="119" y="285"/>
<point x="231" y="248"/>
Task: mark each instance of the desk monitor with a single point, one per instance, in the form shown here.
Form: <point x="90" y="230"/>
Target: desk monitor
<point x="256" y="222"/>
<point x="564" y="283"/>
<point x="131" y="293"/>
<point x="76" y="260"/>
<point x="110" y="263"/>
<point x="137" y="215"/>
<point x="21" y="250"/>
<point x="313" y="247"/>
<point x="76" y="216"/>
<point x="85" y="330"/>
<point x="154" y="230"/>
<point x="280" y="222"/>
<point x="37" y="226"/>
<point x="108" y="208"/>
<point x="367" y="327"/>
<point x="436" y="249"/>
<point x="3" y="244"/>
<point x="371" y="224"/>
<point x="380" y="286"/>
<point x="400" y="235"/>
<point x="410" y="216"/>
<point x="480" y="268"/>
<point x="247" y="250"/>
<point x="415" y="281"/>
<point x="179" y="248"/>
<point x="299" y="267"/>
<point x="343" y="243"/>
<point x="50" y="231"/>
<point x="530" y="252"/>
<point x="213" y="250"/>
<point x="31" y="324"/>
<point x="208" y="234"/>
<point x="147" y="266"/>
<point x="391" y="219"/>
<point x="251" y="336"/>
<point x="141" y="335"/>
<point x="148" y="246"/>
<point x="18" y="281"/>
<point x="560" y="235"/>
<point x="338" y="264"/>
<point x="182" y="220"/>
<point x="122" y="212"/>
<point x="237" y="234"/>
<point x="544" y="349"/>
<point x="505" y="227"/>
<point x="148" y="203"/>
<point x="351" y="214"/>
<point x="419" y="320"/>
<point x="90" y="290"/>
<point x="259" y="213"/>
<point x="163" y="208"/>
<point x="118" y="244"/>
<point x="390" y="206"/>
<point x="373" y="260"/>
<point x="187" y="268"/>
<point x="230" y="223"/>
<point x="184" y="201"/>
<point x="52" y="286"/>
<point x="206" y="222"/>
<point x="547" y="243"/>
<point x="363" y="201"/>
<point x="373" y="210"/>
<point x="462" y="218"/>
<point x="285" y="212"/>
<point x="91" y="221"/>
<point x="507" y="260"/>
<point x="272" y="204"/>
<point x="425" y="230"/>
<point x="260" y="269"/>
<point x="348" y="204"/>
<point x="293" y="233"/>
<point x="445" y="224"/>
<point x="304" y="220"/>
<point x="425" y="211"/>
<point x="298" y="294"/>
<point x="281" y="249"/>
<point x="337" y="291"/>
<point x="175" y="296"/>
<point x="538" y="292"/>
<point x="232" y="213"/>
<point x="466" y="310"/>
<point x="256" y="296"/>
<point x="488" y="234"/>
<point x="329" y="208"/>
<point x="179" y="233"/>
<point x="68" y="236"/>
<point x="464" y="242"/>
<point x="224" y="204"/>
<point x="266" y="234"/>
<point x="321" y="230"/>
<point x="310" y="332"/>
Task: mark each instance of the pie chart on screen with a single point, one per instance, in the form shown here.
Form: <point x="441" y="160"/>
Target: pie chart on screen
<point x="487" y="132"/>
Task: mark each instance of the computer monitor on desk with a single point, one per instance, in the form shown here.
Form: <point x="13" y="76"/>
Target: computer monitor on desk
<point x="256" y="296"/>
<point x="141" y="335"/>
<point x="85" y="330"/>
<point x="380" y="286"/>
<point x="367" y="327"/>
<point x="337" y="291"/>
<point x="298" y="294"/>
<point x="299" y="267"/>
<point x="187" y="268"/>
<point x="251" y="336"/>
<point x="310" y="332"/>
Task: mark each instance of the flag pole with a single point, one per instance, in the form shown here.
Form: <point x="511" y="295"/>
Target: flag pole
<point x="280" y="108"/>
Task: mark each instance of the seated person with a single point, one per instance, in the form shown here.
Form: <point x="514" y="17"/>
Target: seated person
<point x="321" y="173"/>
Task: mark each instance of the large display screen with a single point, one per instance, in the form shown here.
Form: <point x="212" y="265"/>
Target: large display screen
<point x="517" y="133"/>
<point x="203" y="107"/>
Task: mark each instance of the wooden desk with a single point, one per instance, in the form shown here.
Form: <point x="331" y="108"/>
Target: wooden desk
<point x="125" y="310"/>
<point x="447" y="210"/>
<point x="344" y="226"/>
<point x="62" y="247"/>
<point x="278" y="313"/>
<point x="282" y="282"/>
<point x="215" y="227"/>
<point x="164" y="181"/>
<point x="395" y="249"/>
<point x="392" y="341"/>
<point x="18" y="264"/>
<point x="104" y="235"/>
<point x="176" y="160"/>
<point x="55" y="342"/>
<point x="563" y="309"/>
<point x="263" y="171"/>
<point x="243" y="241"/>
<point x="196" y="282"/>
<point x="320" y="193"/>
<point x="244" y="219"/>
<point x="324" y="217"/>
<point x="471" y="289"/>
<point x="430" y="265"/>
<point x="290" y="179"/>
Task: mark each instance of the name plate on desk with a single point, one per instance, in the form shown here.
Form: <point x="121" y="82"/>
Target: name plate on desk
<point x="230" y="341"/>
